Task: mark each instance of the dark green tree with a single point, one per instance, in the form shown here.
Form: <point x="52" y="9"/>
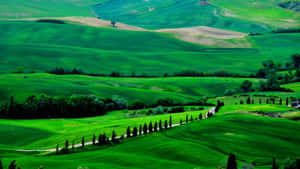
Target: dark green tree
<point x="155" y="127"/>
<point x="280" y="101"/>
<point x="145" y="129"/>
<point x="128" y="131"/>
<point x="113" y="137"/>
<point x="82" y="142"/>
<point x="150" y="127"/>
<point x="140" y="130"/>
<point x="67" y="145"/>
<point x="57" y="148"/>
<point x="160" y="125"/>
<point x="180" y="122"/>
<point x="200" y="116"/>
<point x="259" y="100"/>
<point x="12" y="165"/>
<point x="296" y="60"/>
<point x="297" y="163"/>
<point x="94" y="139"/>
<point x="166" y="124"/>
<point x="1" y="167"/>
<point x="246" y="86"/>
<point x="192" y="118"/>
<point x="100" y="139"/>
<point x="104" y="139"/>
<point x="134" y="132"/>
<point x="231" y="163"/>
<point x="170" y="121"/>
<point x="248" y="100"/>
<point x="287" y="101"/>
<point x="274" y="165"/>
<point x="186" y="119"/>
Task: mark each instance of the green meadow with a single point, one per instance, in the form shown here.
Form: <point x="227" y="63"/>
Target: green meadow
<point x="45" y="46"/>
<point x="201" y="144"/>
<point x="47" y="133"/>
<point x="148" y="90"/>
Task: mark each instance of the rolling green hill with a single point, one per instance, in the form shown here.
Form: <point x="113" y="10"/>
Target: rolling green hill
<point x="244" y="16"/>
<point x="148" y="90"/>
<point x="43" y="46"/>
<point x="12" y="9"/>
<point x="202" y="144"/>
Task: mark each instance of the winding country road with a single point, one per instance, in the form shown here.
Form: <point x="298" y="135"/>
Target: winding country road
<point x="211" y="110"/>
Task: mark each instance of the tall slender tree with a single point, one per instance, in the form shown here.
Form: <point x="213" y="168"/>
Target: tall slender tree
<point x="104" y="140"/>
<point x="180" y="122"/>
<point x="82" y="142"/>
<point x="280" y="101"/>
<point x="113" y="137"/>
<point x="170" y="121"/>
<point x="200" y="116"/>
<point x="57" y="148"/>
<point x="94" y="139"/>
<point x="166" y="124"/>
<point x="160" y="125"/>
<point x="287" y="101"/>
<point x="231" y="163"/>
<point x="128" y="131"/>
<point x="297" y="163"/>
<point x="145" y="129"/>
<point x="150" y="127"/>
<point x="1" y="167"/>
<point x="12" y="165"/>
<point x="134" y="132"/>
<point x="140" y="130"/>
<point x="274" y="165"/>
<point x="192" y="118"/>
<point x="186" y="119"/>
<point x="155" y="127"/>
<point x="67" y="145"/>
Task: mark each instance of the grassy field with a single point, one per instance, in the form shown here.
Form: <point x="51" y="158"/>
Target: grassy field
<point x="202" y="144"/>
<point x="46" y="133"/>
<point x="244" y="16"/>
<point x="148" y="90"/>
<point x="11" y="9"/>
<point x="40" y="46"/>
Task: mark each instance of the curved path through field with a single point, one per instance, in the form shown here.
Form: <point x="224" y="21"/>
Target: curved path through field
<point x="211" y="110"/>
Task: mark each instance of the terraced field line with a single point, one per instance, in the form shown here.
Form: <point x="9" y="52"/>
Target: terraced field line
<point x="211" y="110"/>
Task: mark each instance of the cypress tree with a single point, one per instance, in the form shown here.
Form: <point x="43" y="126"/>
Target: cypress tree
<point x="140" y="131"/>
<point x="113" y="137"/>
<point x="273" y="100"/>
<point x="1" y="167"/>
<point x="267" y="101"/>
<point x="241" y="101"/>
<point x="145" y="129"/>
<point x="12" y="165"/>
<point x="259" y="100"/>
<point x="94" y="139"/>
<point x="248" y="100"/>
<point x="180" y="122"/>
<point x="287" y="101"/>
<point x="128" y="131"/>
<point x="155" y="127"/>
<point x="170" y="122"/>
<point x="150" y="127"/>
<point x="100" y="139"/>
<point x="57" y="148"/>
<point x="186" y="119"/>
<point x="82" y="142"/>
<point x="280" y="101"/>
<point x="67" y="145"/>
<point x="166" y="124"/>
<point x="160" y="125"/>
<point x="134" y="132"/>
<point x="274" y="165"/>
<point x="231" y="163"/>
<point x="104" y="140"/>
<point x="252" y="101"/>
<point x="73" y="145"/>
<point x="297" y="163"/>
<point x="192" y="118"/>
<point x="200" y="116"/>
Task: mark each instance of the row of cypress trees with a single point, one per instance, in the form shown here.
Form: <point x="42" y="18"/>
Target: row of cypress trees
<point x="141" y="129"/>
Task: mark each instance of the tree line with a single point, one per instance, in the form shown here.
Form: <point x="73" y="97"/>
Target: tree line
<point x="59" y="107"/>
<point x="141" y="129"/>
